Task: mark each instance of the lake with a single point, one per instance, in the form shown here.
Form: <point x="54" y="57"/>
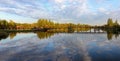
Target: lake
<point x="43" y="46"/>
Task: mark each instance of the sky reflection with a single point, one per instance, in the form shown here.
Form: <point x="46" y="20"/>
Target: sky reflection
<point x="62" y="47"/>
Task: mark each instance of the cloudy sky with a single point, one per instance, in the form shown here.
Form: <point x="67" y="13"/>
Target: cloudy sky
<point x="76" y="11"/>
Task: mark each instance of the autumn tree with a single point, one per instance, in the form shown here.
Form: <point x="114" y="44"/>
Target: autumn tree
<point x="12" y="25"/>
<point x="44" y="23"/>
<point x="3" y="24"/>
<point x="116" y="23"/>
<point x="110" y="22"/>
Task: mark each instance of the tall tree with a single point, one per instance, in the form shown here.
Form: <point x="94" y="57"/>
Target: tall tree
<point x="12" y="25"/>
<point x="3" y="24"/>
<point x="116" y="23"/>
<point x="110" y="22"/>
<point x="44" y="23"/>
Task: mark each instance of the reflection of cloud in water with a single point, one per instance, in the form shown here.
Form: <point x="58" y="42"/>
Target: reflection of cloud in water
<point x="60" y="47"/>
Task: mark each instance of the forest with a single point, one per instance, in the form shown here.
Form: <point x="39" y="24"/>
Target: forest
<point x="50" y="26"/>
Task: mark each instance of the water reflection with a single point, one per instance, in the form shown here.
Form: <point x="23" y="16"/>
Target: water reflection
<point x="43" y="35"/>
<point x="12" y="35"/>
<point x="62" y="47"/>
<point x="110" y="34"/>
<point x="3" y="35"/>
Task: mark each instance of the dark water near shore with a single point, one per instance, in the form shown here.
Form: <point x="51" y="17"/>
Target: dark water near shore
<point x="42" y="46"/>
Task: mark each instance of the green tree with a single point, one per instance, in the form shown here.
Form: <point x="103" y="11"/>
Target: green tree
<point x="3" y="24"/>
<point x="110" y="22"/>
<point x="44" y="23"/>
<point x="116" y="23"/>
<point x="12" y="25"/>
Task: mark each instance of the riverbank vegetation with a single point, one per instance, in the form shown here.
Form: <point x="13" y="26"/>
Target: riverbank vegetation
<point x="47" y="25"/>
<point x="45" y="28"/>
<point x="41" y="25"/>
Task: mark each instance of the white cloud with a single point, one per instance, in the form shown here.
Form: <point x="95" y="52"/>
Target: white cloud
<point x="115" y="14"/>
<point x="36" y="11"/>
<point x="57" y="9"/>
<point x="101" y="9"/>
<point x="63" y="6"/>
<point x="59" y="1"/>
<point x="83" y="8"/>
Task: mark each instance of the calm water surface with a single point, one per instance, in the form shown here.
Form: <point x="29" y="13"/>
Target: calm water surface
<point x="60" y="47"/>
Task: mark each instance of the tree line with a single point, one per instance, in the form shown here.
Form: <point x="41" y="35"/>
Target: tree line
<point x="40" y="24"/>
<point x="111" y="25"/>
<point x="11" y="25"/>
<point x="49" y="24"/>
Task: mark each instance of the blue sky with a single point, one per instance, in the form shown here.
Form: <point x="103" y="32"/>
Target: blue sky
<point x="76" y="11"/>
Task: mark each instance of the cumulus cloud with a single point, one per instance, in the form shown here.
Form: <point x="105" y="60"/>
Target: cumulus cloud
<point x="59" y="1"/>
<point x="58" y="9"/>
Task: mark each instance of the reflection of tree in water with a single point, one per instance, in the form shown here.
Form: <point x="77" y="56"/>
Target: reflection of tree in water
<point x="12" y="35"/>
<point x="110" y="34"/>
<point x="3" y="35"/>
<point x="82" y="29"/>
<point x="116" y="35"/>
<point x="43" y="35"/>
